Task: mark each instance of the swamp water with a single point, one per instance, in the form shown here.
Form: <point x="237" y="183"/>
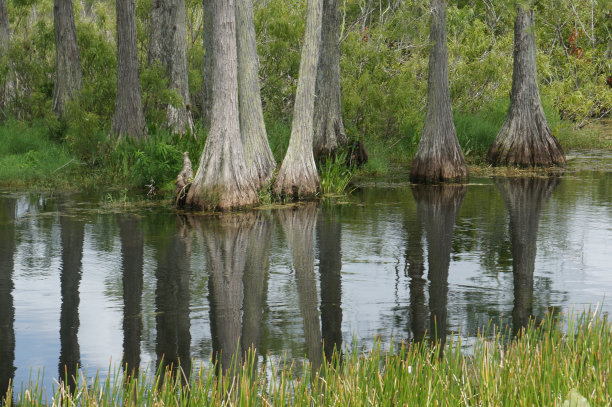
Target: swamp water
<point x="82" y="284"/>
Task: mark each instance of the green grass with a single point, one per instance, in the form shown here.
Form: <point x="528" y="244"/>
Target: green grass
<point x="335" y="175"/>
<point x="27" y="154"/>
<point x="545" y="365"/>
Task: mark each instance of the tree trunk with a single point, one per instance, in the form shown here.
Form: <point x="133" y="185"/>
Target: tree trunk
<point x="226" y="240"/>
<point x="524" y="198"/>
<point x="329" y="240"/>
<point x="132" y="248"/>
<point x="255" y="282"/>
<point x="298" y="225"/>
<point x="438" y="206"/>
<point x="329" y="133"/>
<point x="72" y="232"/>
<point x="7" y="315"/>
<point x="5" y="27"/>
<point x="169" y="47"/>
<point x="128" y="119"/>
<point x="172" y="302"/>
<point x="6" y="84"/>
<point x="298" y="173"/>
<point x="223" y="180"/>
<point x="69" y="77"/>
<point x="415" y="269"/>
<point x="259" y="158"/>
<point x="209" y="63"/>
<point x="439" y="157"/>
<point x="525" y="138"/>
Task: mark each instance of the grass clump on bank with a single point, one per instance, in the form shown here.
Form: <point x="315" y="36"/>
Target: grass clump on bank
<point x="27" y="154"/>
<point x="561" y="360"/>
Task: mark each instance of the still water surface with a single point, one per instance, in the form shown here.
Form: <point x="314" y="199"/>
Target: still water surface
<point x="84" y="284"/>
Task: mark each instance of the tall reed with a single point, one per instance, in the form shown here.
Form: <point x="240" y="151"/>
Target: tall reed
<point x="562" y="361"/>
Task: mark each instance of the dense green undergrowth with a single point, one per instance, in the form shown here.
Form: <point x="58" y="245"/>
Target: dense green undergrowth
<point x="563" y="361"/>
<point x="31" y="155"/>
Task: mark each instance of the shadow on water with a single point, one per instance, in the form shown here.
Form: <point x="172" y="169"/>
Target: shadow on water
<point x="132" y="247"/>
<point x="72" y="234"/>
<point x="7" y="309"/>
<point x="524" y="199"/>
<point x="173" y="253"/>
<point x="437" y="209"/>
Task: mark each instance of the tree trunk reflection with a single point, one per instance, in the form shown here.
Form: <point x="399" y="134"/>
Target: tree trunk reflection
<point x="524" y="198"/>
<point x="415" y="268"/>
<point x="7" y="308"/>
<point x="255" y="280"/>
<point x="72" y="231"/>
<point x="437" y="207"/>
<point x="329" y="241"/>
<point x="298" y="225"/>
<point x="132" y="244"/>
<point x="225" y="240"/>
<point x="172" y="301"/>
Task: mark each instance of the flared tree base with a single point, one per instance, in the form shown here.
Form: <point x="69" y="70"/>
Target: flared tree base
<point x="297" y="180"/>
<point x="433" y="170"/>
<point x="526" y="142"/>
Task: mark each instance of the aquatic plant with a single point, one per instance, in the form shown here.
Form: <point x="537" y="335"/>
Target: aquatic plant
<point x="336" y="174"/>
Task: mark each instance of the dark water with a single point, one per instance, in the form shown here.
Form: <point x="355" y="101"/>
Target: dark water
<point x="82" y="284"/>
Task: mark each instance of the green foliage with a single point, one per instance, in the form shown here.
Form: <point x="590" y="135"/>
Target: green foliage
<point x="151" y="164"/>
<point x="279" y="134"/>
<point x="157" y="94"/>
<point x="335" y="174"/>
<point x="477" y="131"/>
<point x="280" y="28"/>
<point x="27" y="154"/>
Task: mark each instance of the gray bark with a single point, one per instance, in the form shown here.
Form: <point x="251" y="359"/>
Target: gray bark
<point x="7" y="315"/>
<point x="128" y="119"/>
<point x="72" y="231"/>
<point x="222" y="180"/>
<point x="132" y="248"/>
<point x="524" y="198"/>
<point x="298" y="225"/>
<point x="5" y="36"/>
<point x="525" y="138"/>
<point x="259" y="158"/>
<point x="438" y="206"/>
<point x="5" y="27"/>
<point x="68" y="74"/>
<point x="207" y="85"/>
<point x="298" y="175"/>
<point x="169" y="47"/>
<point x="438" y="157"/>
<point x="89" y="11"/>
<point x="329" y="133"/>
<point x="172" y="302"/>
<point x="329" y="240"/>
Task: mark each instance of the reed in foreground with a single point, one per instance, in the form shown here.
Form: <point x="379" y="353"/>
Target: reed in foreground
<point x="563" y="361"/>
